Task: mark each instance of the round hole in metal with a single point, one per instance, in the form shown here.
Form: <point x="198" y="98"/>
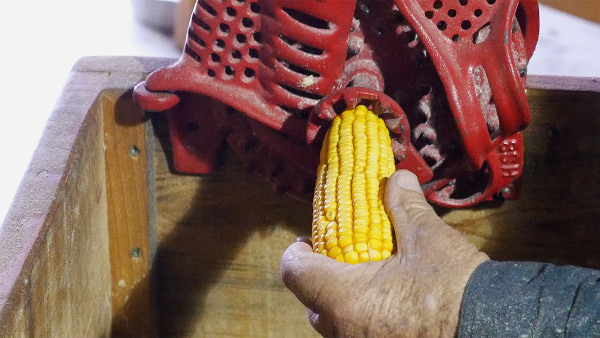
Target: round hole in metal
<point x="247" y="22"/>
<point x="224" y="28"/>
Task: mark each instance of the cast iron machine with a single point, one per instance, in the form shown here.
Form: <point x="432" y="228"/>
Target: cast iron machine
<point x="268" y="76"/>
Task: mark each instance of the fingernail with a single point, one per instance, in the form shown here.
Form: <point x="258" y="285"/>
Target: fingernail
<point x="304" y="240"/>
<point x="407" y="180"/>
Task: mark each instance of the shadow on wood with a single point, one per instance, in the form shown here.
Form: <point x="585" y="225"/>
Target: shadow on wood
<point x="220" y="238"/>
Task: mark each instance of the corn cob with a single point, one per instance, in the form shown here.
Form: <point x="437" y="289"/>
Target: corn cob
<point x="349" y="221"/>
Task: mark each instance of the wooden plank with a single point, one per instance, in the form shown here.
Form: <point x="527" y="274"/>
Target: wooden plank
<point x="125" y="151"/>
<point x="587" y="9"/>
<point x="563" y="83"/>
<point x="220" y="240"/>
<point x="54" y="265"/>
<point x="55" y="278"/>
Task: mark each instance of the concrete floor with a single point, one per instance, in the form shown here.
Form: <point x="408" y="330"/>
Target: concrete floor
<point x="44" y="43"/>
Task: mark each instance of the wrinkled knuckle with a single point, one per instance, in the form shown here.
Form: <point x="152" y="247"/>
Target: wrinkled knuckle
<point x="289" y="277"/>
<point x="419" y="212"/>
<point x="286" y="266"/>
<point x="397" y="211"/>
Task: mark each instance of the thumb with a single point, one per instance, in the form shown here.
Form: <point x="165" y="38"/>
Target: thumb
<point x="407" y="208"/>
<point x="307" y="274"/>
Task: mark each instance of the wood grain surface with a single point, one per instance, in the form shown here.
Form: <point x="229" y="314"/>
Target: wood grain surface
<point x="587" y="9"/>
<point x="54" y="263"/>
<point x="128" y="220"/>
<point x="220" y="240"/>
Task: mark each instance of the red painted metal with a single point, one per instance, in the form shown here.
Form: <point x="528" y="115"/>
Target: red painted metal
<point x="447" y="77"/>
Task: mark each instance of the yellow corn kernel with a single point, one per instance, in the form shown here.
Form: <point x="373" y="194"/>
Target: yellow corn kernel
<point x="334" y="252"/>
<point x="361" y="247"/>
<point x="351" y="257"/>
<point x="360" y="238"/>
<point x="349" y="248"/>
<point x="375" y="245"/>
<point x="349" y="221"/>
<point x="344" y="241"/>
<point x="375" y="255"/>
<point x="320" y="248"/>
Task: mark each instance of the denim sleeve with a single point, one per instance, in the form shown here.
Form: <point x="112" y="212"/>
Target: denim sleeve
<point x="526" y="299"/>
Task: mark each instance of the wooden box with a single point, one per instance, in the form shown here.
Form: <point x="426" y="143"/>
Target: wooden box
<point x="104" y="240"/>
<point x="587" y="9"/>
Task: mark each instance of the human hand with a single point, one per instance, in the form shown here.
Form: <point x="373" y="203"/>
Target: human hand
<point x="416" y="292"/>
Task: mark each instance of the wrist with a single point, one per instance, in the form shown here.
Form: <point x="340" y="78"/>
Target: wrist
<point x="453" y="291"/>
<point x="443" y="281"/>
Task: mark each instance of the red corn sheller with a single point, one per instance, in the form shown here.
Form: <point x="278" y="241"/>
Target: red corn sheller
<point x="268" y="76"/>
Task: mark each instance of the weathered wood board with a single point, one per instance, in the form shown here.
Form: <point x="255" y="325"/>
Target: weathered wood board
<point x="54" y="264"/>
<point x="104" y="239"/>
<point x="61" y="235"/>
<point x="587" y="9"/>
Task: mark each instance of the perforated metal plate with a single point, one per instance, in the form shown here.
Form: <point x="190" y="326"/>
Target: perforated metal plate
<point x="450" y="73"/>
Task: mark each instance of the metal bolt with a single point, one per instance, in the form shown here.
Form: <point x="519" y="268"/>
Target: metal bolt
<point x="400" y="157"/>
<point x="352" y="50"/>
<point x="135" y="253"/>
<point x="134" y="151"/>
<point x="522" y="71"/>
